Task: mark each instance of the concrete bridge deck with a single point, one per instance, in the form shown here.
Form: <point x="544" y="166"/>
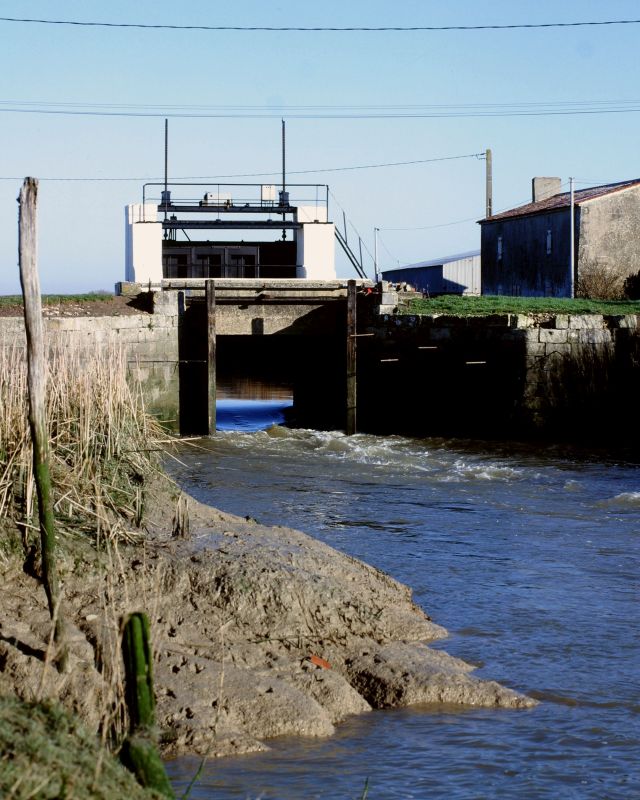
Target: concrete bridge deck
<point x="267" y="289"/>
<point x="257" y="306"/>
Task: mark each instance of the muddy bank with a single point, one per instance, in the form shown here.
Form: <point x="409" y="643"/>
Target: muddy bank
<point x="258" y="632"/>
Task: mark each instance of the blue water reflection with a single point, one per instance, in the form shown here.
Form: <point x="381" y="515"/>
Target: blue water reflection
<point x="250" y="415"/>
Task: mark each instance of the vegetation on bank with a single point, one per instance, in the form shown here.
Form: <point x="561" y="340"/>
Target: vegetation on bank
<point x="46" y="753"/>
<point x="100" y="453"/>
<point x="58" y="299"/>
<point x="485" y="305"/>
<point x="103" y="455"/>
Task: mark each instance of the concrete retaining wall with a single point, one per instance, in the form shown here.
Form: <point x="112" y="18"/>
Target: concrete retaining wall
<point x="150" y="342"/>
<point x="509" y="376"/>
<point x="569" y="377"/>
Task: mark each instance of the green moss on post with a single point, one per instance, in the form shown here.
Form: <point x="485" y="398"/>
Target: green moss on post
<point x="136" y="651"/>
<point x="140" y="756"/>
<point x="139" y="753"/>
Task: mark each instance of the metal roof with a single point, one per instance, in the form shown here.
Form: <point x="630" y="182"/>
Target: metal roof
<point x="563" y="200"/>
<point x="435" y="262"/>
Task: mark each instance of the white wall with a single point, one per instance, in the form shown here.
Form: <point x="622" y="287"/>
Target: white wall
<point x="143" y="243"/>
<point x="463" y="275"/>
<point x="317" y="251"/>
<point x="315" y="213"/>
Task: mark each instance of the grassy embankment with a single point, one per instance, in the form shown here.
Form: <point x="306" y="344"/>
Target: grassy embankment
<point x="57" y="299"/>
<point x="487" y="305"/>
<point x="101" y="457"/>
<point x="46" y="754"/>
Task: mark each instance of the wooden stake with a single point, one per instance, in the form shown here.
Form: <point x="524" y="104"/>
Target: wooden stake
<point x="36" y="381"/>
<point x="211" y="357"/>
<point x="139" y="753"/>
<point x="138" y="669"/>
<point x="351" y="357"/>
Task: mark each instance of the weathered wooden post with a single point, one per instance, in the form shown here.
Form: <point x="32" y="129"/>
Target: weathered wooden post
<point x="210" y="292"/>
<point x="139" y="753"/>
<point x="352" y="386"/>
<point x="36" y="381"/>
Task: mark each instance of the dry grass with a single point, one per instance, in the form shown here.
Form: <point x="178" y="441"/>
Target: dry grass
<point x="600" y="282"/>
<point x="101" y="442"/>
<point x="104" y="448"/>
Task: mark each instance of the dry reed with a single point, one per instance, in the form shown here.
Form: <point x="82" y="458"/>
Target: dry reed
<point x="101" y="441"/>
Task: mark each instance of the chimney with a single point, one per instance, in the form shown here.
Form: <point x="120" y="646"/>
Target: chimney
<point x="544" y="188"/>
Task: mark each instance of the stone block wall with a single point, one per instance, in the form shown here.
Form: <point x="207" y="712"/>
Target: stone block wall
<point x="581" y="372"/>
<point x="150" y="342"/>
<point x="565" y="376"/>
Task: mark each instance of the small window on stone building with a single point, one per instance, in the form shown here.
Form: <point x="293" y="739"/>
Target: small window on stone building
<point x="499" y="248"/>
<point x="549" y="242"/>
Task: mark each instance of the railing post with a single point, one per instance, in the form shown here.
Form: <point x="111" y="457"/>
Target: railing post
<point x="351" y="357"/>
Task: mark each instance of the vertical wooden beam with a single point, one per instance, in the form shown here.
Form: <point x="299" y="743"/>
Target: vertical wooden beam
<point x="211" y="356"/>
<point x="36" y="381"/>
<point x="351" y="357"/>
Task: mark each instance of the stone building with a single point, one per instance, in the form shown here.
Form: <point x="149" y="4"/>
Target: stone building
<point x="527" y="250"/>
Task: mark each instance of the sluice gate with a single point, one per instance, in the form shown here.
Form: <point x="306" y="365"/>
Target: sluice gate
<point x="295" y="334"/>
<point x="357" y="366"/>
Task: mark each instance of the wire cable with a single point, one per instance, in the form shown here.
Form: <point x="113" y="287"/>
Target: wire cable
<point x="283" y="108"/>
<point x="463" y="113"/>
<point x="324" y="28"/>
<point x="270" y="174"/>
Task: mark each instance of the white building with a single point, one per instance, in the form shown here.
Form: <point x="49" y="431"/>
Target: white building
<point x="234" y="231"/>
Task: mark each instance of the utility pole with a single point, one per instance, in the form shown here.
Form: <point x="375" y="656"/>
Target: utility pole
<point x="572" y="255"/>
<point x="489" y="183"/>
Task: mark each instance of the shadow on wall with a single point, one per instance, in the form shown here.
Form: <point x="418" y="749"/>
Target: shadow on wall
<point x="590" y="394"/>
<point x="308" y="356"/>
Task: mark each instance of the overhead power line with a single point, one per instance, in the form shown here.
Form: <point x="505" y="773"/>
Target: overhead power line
<point x="269" y="174"/>
<point x="326" y="112"/>
<point x="324" y="28"/>
<point x="284" y="108"/>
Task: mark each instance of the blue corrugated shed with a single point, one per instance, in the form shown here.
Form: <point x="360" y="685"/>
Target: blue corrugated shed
<point x="456" y="274"/>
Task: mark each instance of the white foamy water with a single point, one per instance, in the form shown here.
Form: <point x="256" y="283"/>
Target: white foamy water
<point x="623" y="500"/>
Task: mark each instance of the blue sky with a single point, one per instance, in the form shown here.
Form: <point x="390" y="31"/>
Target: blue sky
<point x="81" y="223"/>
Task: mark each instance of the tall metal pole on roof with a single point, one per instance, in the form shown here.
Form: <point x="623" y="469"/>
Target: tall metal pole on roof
<point x="166" y="153"/>
<point x="375" y="254"/>
<point x="572" y="255"/>
<point x="489" y="182"/>
<point x="284" y="178"/>
<point x="166" y="171"/>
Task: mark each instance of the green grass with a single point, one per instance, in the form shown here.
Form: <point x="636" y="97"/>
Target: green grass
<point x="55" y="299"/>
<point x="458" y="306"/>
<point x="46" y="754"/>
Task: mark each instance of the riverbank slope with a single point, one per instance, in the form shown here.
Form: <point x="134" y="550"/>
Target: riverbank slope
<point x="258" y="632"/>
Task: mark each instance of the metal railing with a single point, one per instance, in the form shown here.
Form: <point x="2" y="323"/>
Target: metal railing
<point x="298" y="194"/>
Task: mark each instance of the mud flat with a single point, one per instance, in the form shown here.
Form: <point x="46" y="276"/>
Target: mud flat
<point x="258" y="632"/>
